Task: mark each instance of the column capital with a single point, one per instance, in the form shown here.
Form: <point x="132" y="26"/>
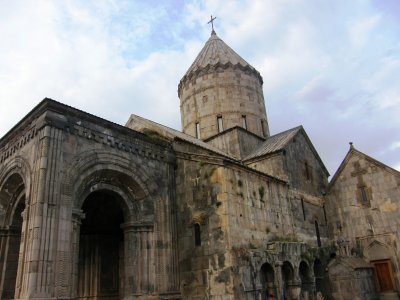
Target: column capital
<point x="137" y="226"/>
<point x="279" y="263"/>
<point x="77" y="215"/>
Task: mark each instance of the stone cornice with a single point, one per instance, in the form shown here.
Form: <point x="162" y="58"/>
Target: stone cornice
<point x="54" y="114"/>
<point x="209" y="69"/>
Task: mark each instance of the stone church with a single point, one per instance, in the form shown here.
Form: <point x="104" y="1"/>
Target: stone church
<point x="90" y="209"/>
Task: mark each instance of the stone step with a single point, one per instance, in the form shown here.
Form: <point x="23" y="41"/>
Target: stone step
<point x="389" y="296"/>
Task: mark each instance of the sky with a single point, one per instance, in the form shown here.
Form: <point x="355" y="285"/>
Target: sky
<point x="332" y="66"/>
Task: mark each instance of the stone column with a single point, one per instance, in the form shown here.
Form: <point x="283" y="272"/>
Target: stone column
<point x="37" y="221"/>
<point x="22" y="253"/>
<point x="6" y="236"/>
<point x="77" y="217"/>
<point x="295" y="285"/>
<point x="137" y="254"/>
<point x="39" y="273"/>
<point x="278" y="279"/>
<point x="3" y="240"/>
<point x="313" y="285"/>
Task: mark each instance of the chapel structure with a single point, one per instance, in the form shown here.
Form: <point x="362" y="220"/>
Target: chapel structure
<point x="90" y="209"/>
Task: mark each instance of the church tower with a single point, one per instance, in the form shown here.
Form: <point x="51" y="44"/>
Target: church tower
<point x="221" y="91"/>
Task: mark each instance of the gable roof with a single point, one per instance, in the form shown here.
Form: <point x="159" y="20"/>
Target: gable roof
<point x="353" y="151"/>
<point x="278" y="142"/>
<point x="274" y="143"/>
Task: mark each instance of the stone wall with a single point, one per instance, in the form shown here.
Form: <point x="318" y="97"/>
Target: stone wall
<point x="304" y="168"/>
<point x="240" y="212"/>
<point x="298" y="163"/>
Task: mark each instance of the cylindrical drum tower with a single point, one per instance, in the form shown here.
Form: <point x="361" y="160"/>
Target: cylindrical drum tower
<point x="220" y="91"/>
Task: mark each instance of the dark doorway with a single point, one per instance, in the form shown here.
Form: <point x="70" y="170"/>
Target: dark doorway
<point x="101" y="247"/>
<point x="12" y="256"/>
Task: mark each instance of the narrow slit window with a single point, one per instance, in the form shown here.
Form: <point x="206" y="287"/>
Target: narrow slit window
<point x="197" y="235"/>
<point x="244" y="122"/>
<point x="197" y="130"/>
<point x="363" y="194"/>
<point x="302" y="208"/>
<point x="220" y="124"/>
<point x="263" y="128"/>
<point x="307" y="171"/>
<point x="317" y="234"/>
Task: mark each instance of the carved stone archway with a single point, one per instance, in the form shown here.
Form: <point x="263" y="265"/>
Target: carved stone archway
<point x="129" y="236"/>
<point x="12" y="198"/>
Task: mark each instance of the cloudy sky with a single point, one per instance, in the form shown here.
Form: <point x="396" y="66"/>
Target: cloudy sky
<point x="331" y="65"/>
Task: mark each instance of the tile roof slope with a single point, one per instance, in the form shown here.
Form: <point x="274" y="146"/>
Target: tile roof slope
<point x="216" y="51"/>
<point x="172" y="133"/>
<point x="274" y="143"/>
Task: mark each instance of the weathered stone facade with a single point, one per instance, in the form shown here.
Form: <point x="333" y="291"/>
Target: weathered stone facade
<point x="363" y="210"/>
<point x="96" y="201"/>
<point x="93" y="210"/>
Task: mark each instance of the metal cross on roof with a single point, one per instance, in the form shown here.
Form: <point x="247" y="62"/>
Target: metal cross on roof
<point x="212" y="22"/>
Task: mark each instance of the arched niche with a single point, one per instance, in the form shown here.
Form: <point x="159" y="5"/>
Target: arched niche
<point x="267" y="278"/>
<point x="306" y="279"/>
<point x="287" y="279"/>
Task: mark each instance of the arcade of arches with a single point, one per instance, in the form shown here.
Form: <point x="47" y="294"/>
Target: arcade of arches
<point x="282" y="278"/>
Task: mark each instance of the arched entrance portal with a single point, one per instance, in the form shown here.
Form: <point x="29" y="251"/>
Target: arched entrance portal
<point x="101" y="247"/>
<point x="12" y="197"/>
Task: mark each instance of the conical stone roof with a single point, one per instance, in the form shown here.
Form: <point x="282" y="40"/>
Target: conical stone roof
<point x="216" y="53"/>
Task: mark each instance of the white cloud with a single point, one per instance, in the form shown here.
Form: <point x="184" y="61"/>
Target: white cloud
<point x="360" y="29"/>
<point x="323" y="66"/>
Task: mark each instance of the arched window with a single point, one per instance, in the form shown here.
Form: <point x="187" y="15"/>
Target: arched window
<point x="197" y="235"/>
<point x="317" y="233"/>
